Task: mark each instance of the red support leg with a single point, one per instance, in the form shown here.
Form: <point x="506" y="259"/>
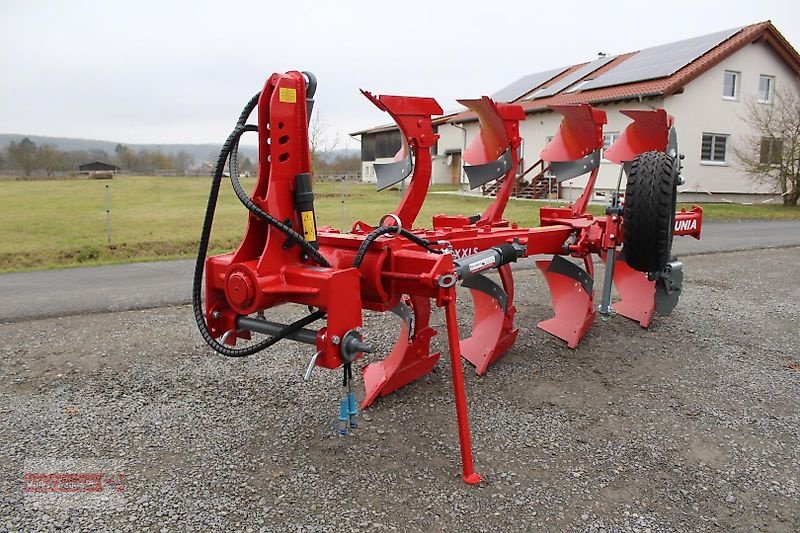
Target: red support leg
<point x="468" y="470"/>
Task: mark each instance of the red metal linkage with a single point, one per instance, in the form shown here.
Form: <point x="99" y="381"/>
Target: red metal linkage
<point x="413" y="116"/>
<point x="394" y="273"/>
<point x="499" y="133"/>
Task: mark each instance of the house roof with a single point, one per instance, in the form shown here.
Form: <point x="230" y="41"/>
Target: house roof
<point x="665" y="85"/>
<point x="377" y="129"/>
<point x="658" y="71"/>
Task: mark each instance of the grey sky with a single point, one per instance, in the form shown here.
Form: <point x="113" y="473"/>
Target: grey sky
<point x="174" y="72"/>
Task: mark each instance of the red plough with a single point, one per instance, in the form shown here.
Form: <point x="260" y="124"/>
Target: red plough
<point x="388" y="265"/>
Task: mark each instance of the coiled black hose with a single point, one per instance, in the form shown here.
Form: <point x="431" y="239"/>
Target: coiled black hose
<point x="383" y="230"/>
<point x="229" y="151"/>
<point x="263" y="215"/>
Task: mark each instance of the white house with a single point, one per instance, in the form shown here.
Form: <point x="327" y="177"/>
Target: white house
<point x="705" y="82"/>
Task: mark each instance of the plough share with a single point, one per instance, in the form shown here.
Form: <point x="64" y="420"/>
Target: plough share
<point x="392" y="266"/>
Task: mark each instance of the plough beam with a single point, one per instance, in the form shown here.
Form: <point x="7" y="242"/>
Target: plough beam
<point x="285" y="258"/>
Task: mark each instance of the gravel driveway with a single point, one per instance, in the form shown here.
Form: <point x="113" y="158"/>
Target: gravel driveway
<point x="689" y="426"/>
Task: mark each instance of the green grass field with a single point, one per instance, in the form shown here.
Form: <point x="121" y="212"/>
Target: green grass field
<point x="48" y="224"/>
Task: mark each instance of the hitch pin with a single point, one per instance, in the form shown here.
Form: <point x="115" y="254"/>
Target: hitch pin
<point x="311" y="365"/>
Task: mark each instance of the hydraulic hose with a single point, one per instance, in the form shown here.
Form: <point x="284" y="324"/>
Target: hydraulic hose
<point x="383" y="230"/>
<point x="229" y="151"/>
<point x="261" y="214"/>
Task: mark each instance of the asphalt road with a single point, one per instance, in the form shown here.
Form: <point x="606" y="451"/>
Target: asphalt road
<point x="101" y="289"/>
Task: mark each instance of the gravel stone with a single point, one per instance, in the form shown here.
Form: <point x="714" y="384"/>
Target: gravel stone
<point x="691" y="425"/>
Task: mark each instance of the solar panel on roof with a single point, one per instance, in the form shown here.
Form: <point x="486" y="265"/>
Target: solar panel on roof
<point x="660" y="61"/>
<point x="525" y="85"/>
<point x="568" y="80"/>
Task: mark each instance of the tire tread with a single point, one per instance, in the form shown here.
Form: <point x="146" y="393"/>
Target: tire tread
<point x="649" y="211"/>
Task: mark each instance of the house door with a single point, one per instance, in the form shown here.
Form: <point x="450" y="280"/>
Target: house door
<point x="455" y="168"/>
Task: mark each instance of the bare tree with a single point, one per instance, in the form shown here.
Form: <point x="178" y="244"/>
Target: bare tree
<point x="320" y="144"/>
<point x="183" y="161"/>
<point x="23" y="155"/>
<point x="126" y="158"/>
<point x="771" y="154"/>
<point x="51" y="159"/>
<point x="247" y="166"/>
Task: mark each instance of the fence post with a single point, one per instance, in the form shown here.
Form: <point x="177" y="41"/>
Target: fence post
<point x="108" y="214"/>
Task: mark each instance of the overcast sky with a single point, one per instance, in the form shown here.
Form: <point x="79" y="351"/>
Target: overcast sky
<point x="179" y="72"/>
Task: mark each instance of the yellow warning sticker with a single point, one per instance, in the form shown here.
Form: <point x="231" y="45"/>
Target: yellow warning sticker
<point x="309" y="227"/>
<point x="287" y="95"/>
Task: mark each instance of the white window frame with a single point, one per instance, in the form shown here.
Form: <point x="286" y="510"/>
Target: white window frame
<point x="770" y="89"/>
<point x="609" y="136"/>
<point x="737" y="76"/>
<point x="711" y="161"/>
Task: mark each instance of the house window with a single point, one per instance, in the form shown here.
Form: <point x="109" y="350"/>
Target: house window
<point x="608" y="140"/>
<point x="766" y="86"/>
<point x="771" y="151"/>
<point x="730" y="87"/>
<point x="714" y="148"/>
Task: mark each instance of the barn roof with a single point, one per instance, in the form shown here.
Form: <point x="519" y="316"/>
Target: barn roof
<point x="98" y="165"/>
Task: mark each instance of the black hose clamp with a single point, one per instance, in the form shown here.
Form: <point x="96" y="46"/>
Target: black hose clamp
<point x="398" y="225"/>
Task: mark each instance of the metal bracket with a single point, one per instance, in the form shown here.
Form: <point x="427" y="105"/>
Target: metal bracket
<point x="565" y="267"/>
<point x="672" y="142"/>
<point x="482" y="174"/>
<point x="668" y="287"/>
<point x="402" y="310"/>
<point x="389" y="174"/>
<point x="481" y="283"/>
<point x="564" y="170"/>
<point x="605" y="308"/>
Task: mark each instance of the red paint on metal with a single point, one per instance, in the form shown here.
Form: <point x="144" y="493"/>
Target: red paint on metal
<point x="459" y="392"/>
<point x="573" y="307"/>
<point x="649" y="131"/>
<point x="413" y="116"/>
<point x="637" y="294"/>
<point x="493" y="331"/>
<point x="580" y="133"/>
<point x="409" y="359"/>
<point x="266" y="271"/>
<point x="499" y="132"/>
<point x="492" y="139"/>
<point x="689" y="222"/>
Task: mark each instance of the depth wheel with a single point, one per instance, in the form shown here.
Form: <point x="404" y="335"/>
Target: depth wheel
<point x="649" y="211"/>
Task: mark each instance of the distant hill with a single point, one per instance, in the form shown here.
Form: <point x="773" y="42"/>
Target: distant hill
<point x="200" y="152"/>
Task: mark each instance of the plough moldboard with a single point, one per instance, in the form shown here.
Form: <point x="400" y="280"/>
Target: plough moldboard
<point x="393" y="266"/>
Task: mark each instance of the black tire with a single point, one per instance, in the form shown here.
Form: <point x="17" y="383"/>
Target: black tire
<point x="649" y="211"/>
